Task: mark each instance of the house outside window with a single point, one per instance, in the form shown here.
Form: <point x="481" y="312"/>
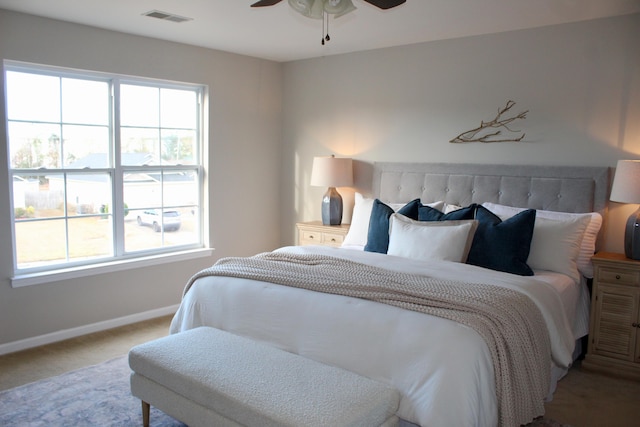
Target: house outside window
<point x="103" y="168"/>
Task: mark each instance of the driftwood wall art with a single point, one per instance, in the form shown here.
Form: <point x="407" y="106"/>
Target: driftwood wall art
<point x="485" y="132"/>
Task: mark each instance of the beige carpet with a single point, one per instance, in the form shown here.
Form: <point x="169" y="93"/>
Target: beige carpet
<point x="583" y="399"/>
<point x="588" y="399"/>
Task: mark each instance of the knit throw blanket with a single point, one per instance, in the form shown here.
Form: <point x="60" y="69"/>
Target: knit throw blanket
<point x="510" y="323"/>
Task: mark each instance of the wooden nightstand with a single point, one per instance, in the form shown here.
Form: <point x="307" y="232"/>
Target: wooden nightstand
<point x="614" y="332"/>
<point x="315" y="233"/>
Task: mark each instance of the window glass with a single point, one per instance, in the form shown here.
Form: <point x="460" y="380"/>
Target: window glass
<point x="140" y="106"/>
<point x="34" y="145"/>
<point x="178" y="109"/>
<point x="85" y="101"/>
<point x="178" y="146"/>
<point x="142" y="188"/>
<point x="149" y="191"/>
<point x="140" y="146"/>
<point x="41" y="195"/>
<point x="30" y="236"/>
<point x="86" y="146"/>
<point x="162" y="126"/>
<point x="90" y="237"/>
<point x="32" y="97"/>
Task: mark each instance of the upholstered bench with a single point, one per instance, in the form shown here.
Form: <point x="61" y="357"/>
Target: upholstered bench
<point x="209" y="377"/>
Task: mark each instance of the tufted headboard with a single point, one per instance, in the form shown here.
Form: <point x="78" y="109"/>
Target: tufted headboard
<point x="556" y="188"/>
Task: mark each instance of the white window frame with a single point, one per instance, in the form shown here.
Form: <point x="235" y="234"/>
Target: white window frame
<point x="120" y="260"/>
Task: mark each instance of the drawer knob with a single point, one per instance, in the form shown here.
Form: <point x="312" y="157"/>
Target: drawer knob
<point x="617" y="277"/>
<point x="636" y="325"/>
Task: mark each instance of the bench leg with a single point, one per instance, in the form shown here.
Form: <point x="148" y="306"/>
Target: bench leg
<point x="145" y="413"/>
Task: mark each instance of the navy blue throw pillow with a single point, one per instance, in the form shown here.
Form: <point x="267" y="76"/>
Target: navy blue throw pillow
<point x="503" y="245"/>
<point x="427" y="213"/>
<point x="378" y="235"/>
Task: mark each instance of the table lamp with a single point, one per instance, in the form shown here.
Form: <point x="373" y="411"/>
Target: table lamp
<point x="332" y="172"/>
<point x="626" y="189"/>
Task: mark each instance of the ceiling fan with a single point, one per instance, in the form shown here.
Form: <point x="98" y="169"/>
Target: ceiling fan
<point x="322" y="9"/>
<point x="382" y="4"/>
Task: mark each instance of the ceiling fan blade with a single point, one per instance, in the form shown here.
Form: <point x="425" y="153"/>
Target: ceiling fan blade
<point x="262" y="3"/>
<point x="385" y="4"/>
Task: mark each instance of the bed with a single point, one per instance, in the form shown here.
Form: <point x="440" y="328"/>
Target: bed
<point x="445" y="365"/>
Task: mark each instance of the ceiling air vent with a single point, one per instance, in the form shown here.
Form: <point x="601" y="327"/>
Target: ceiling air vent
<point x="166" y="16"/>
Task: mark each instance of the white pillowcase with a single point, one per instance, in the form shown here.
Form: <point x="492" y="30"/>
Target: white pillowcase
<point x="359" y="229"/>
<point x="579" y="230"/>
<point x="556" y="244"/>
<point x="430" y="240"/>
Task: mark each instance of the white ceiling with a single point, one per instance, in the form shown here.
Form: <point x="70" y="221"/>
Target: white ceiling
<point x="278" y="33"/>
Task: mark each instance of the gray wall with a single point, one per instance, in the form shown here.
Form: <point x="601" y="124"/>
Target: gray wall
<point x="580" y="83"/>
<point x="245" y="139"/>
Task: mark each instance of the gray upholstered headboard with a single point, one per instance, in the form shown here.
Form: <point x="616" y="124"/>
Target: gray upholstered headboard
<point x="556" y="188"/>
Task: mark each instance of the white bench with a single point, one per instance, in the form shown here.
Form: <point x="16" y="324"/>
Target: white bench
<point x="209" y="377"/>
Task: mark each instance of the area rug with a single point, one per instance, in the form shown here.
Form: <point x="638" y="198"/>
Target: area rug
<point x="95" y="396"/>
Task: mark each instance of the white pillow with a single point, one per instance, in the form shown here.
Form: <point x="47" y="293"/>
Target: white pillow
<point x="358" y="231"/>
<point x="586" y="241"/>
<point x="430" y="240"/>
<point x="556" y="244"/>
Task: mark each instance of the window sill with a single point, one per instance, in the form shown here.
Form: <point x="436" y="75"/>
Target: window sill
<point x="109" y="267"/>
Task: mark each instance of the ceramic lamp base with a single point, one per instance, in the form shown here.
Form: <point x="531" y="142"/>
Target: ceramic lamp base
<point x="632" y="236"/>
<point x="332" y="207"/>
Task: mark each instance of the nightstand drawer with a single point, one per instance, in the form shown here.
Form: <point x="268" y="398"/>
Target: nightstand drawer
<point x="332" y="239"/>
<point x="310" y="237"/>
<point x="618" y="276"/>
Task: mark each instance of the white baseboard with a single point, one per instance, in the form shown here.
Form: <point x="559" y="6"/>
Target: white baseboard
<point x="85" y="329"/>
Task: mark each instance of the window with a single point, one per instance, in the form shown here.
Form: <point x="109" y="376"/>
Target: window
<point x="103" y="168"/>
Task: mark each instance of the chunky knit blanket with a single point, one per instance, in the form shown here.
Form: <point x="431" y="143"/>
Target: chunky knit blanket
<point x="510" y="323"/>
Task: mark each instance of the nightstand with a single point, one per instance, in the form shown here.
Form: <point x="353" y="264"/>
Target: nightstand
<point x="614" y="332"/>
<point x="316" y="233"/>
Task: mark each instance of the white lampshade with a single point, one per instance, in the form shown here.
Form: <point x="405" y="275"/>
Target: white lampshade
<point x="626" y="182"/>
<point x="332" y="172"/>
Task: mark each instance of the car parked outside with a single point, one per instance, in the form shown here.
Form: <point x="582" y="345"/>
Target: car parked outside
<point x="170" y="220"/>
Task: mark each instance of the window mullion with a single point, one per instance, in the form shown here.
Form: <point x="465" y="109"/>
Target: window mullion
<point x="117" y="174"/>
<point x="66" y="216"/>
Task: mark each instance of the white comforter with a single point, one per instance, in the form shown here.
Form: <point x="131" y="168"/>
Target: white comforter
<point x="442" y="369"/>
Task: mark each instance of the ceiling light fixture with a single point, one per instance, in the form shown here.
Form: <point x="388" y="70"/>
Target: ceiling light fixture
<point x="321" y="9"/>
